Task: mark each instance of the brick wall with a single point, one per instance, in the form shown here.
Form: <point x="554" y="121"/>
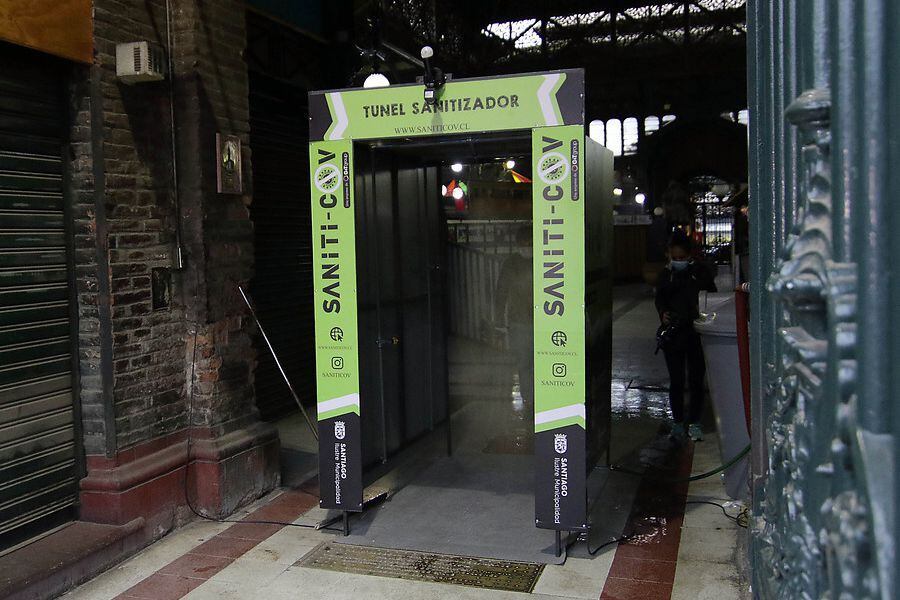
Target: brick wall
<point x="212" y="88"/>
<point x="136" y="361"/>
<point x="131" y="355"/>
<point x="89" y="253"/>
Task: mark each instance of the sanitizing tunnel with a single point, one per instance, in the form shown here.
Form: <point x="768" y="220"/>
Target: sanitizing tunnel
<point x="406" y="310"/>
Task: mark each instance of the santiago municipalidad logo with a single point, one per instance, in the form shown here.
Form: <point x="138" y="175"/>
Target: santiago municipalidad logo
<point x="560" y="443"/>
<point x="340" y="430"/>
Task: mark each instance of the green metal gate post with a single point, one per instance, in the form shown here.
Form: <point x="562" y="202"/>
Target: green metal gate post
<point x="824" y="83"/>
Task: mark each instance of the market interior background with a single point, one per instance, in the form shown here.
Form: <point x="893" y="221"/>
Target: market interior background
<point x="665" y="91"/>
<point x="153" y="357"/>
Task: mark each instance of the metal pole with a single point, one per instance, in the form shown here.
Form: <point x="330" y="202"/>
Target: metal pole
<point x="278" y="364"/>
<point x="384" y="443"/>
<point x="379" y="314"/>
<point x="449" y="426"/>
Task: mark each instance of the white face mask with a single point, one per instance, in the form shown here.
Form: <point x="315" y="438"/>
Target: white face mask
<point x="679" y="265"/>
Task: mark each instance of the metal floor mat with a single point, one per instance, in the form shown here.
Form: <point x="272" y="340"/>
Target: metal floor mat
<point x="424" y="566"/>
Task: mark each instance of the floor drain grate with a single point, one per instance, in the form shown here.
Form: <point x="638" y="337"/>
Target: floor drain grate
<point x="423" y="566"/>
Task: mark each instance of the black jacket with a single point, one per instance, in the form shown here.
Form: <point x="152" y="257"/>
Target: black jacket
<point x="677" y="292"/>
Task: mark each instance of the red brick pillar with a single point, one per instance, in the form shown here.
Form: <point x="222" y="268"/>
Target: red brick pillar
<point x="167" y="397"/>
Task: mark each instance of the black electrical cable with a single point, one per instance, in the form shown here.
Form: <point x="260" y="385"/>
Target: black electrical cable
<point x="187" y="461"/>
<point x="741" y="519"/>
<point x="618" y="540"/>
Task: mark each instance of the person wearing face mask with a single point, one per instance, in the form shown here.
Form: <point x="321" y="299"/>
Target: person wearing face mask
<point x="677" y="302"/>
<point x="513" y="306"/>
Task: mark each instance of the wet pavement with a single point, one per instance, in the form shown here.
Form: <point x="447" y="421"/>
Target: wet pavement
<point x="671" y="543"/>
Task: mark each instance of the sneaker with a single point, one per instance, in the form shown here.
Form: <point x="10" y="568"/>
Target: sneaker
<point x="695" y="432"/>
<point x="677" y="433"/>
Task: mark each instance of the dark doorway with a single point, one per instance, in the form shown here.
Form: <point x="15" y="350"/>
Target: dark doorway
<point x="282" y="283"/>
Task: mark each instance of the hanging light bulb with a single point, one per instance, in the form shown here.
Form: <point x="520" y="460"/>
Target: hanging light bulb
<point x="376" y="80"/>
<point x="458" y="193"/>
<point x="640" y="197"/>
<point x="617" y="191"/>
<point x="510" y="164"/>
<point x="721" y="189"/>
<point x="443" y="190"/>
<point x="456" y="167"/>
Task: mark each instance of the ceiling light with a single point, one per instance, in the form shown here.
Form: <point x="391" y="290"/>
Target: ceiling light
<point x="640" y="197"/>
<point x="510" y="164"/>
<point x="456" y="167"/>
<point x="376" y="80"/>
<point x="617" y="191"/>
<point x="721" y="189"/>
<point x="458" y="193"/>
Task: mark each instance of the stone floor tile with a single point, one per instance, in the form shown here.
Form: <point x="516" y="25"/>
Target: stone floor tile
<point x="708" y="545"/>
<point x="251" y="531"/>
<point x="245" y="570"/>
<point x="577" y="578"/>
<point x="654" y="548"/>
<point x="162" y="587"/>
<point x="285" y="547"/>
<point x="227" y="547"/>
<point x="700" y="580"/>
<point x="147" y="562"/>
<point x="630" y="589"/>
<point x="198" y="566"/>
<point x="642" y="569"/>
<point x="226" y="590"/>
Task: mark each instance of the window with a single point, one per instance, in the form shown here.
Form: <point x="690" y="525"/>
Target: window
<point x="629" y="136"/>
<point x="614" y="136"/>
<point x="705" y="19"/>
<point x="713" y="218"/>
<point x="597" y="132"/>
<point x="524" y="34"/>
<point x="622" y="135"/>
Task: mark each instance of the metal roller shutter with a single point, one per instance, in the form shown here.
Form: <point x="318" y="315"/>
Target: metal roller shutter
<point x="37" y="434"/>
<point x="282" y="283"/>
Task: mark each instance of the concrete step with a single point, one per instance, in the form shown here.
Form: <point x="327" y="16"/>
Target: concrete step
<point x="67" y="557"/>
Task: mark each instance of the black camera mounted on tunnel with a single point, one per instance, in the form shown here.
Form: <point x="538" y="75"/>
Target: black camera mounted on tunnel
<point x="434" y="78"/>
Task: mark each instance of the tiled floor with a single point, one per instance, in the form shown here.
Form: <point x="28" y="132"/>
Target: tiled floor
<point x="676" y="550"/>
<point x="708" y="557"/>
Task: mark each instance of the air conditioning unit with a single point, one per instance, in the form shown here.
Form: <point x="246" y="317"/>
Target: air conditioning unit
<point x="139" y="61"/>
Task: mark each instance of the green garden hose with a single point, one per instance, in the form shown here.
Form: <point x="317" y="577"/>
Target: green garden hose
<point x="718" y="469"/>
